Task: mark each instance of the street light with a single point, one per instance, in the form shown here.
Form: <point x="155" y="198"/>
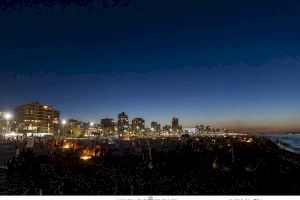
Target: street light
<point x="7" y="116"/>
<point x="63" y="123"/>
<point x="91" y="124"/>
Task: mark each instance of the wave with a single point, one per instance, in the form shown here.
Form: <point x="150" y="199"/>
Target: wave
<point x="289" y="142"/>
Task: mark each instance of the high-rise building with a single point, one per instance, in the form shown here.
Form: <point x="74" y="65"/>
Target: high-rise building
<point x="175" y="125"/>
<point x="158" y="127"/>
<point x="123" y="124"/>
<point x="138" y="126"/>
<point x="108" y="126"/>
<point x="34" y="117"/>
<point x="155" y="126"/>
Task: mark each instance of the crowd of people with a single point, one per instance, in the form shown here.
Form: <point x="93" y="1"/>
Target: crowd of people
<point x="236" y="165"/>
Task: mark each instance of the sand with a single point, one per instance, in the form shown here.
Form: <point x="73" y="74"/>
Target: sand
<point x="191" y="166"/>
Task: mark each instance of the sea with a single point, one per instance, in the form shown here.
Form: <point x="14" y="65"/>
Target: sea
<point x="289" y="142"/>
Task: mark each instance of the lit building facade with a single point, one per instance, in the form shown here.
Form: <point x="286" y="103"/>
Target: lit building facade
<point x="108" y="126"/>
<point x="155" y="127"/>
<point x="74" y="127"/>
<point x="3" y="123"/>
<point x="77" y="128"/>
<point x="123" y="124"/>
<point x="138" y="126"/>
<point x="34" y="117"/>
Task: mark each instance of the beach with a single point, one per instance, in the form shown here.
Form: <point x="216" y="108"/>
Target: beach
<point x="207" y="165"/>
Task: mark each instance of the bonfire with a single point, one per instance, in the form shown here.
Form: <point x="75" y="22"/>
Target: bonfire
<point x="69" y="145"/>
<point x="66" y="146"/>
<point x="87" y="154"/>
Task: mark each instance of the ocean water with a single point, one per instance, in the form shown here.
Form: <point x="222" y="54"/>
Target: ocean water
<point x="290" y="142"/>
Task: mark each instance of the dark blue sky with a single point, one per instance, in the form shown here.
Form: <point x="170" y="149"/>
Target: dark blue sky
<point x="226" y="63"/>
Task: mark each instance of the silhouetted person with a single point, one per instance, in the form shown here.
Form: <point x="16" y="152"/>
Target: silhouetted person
<point x="11" y="165"/>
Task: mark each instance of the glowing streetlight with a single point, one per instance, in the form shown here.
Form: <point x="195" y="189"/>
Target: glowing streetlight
<point x="63" y="125"/>
<point x="7" y="116"/>
<point x="88" y="131"/>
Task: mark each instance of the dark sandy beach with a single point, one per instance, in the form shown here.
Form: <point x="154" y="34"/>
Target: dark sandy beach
<point x="186" y="166"/>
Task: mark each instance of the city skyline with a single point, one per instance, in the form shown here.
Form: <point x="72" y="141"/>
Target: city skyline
<point x="156" y="60"/>
<point x="259" y="127"/>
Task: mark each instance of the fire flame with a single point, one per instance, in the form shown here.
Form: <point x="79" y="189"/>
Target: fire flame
<point x="249" y="140"/>
<point x="85" y="157"/>
<point x="69" y="145"/>
<point x="87" y="154"/>
<point x="66" y="146"/>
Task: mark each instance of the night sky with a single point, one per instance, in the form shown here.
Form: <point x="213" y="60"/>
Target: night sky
<point x="226" y="63"/>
